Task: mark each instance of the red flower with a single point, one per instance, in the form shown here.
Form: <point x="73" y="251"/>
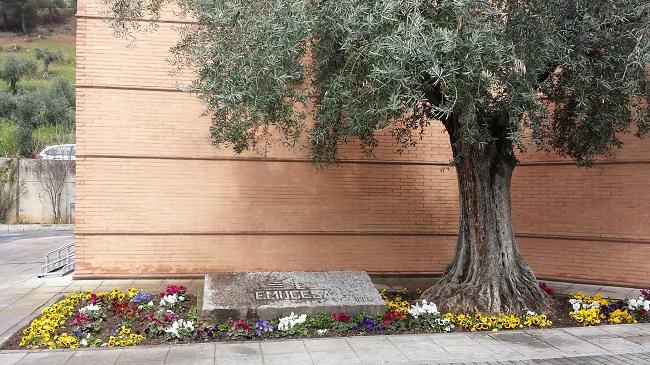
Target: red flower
<point x="93" y="298"/>
<point x="391" y="316"/>
<point x="243" y="324"/>
<point x="642" y="311"/>
<point x="341" y="317"/>
<point x="547" y="288"/>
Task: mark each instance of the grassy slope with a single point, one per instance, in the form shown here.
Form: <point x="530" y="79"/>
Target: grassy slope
<point x="27" y="50"/>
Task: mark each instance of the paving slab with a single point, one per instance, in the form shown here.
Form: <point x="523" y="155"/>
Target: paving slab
<point x="142" y="354"/>
<point x="626" y="330"/>
<point x="199" y="351"/>
<point x="327" y="345"/>
<point x="237" y="349"/>
<point x="381" y="355"/>
<point x="453" y="339"/>
<point x="617" y="345"/>
<point x="282" y="347"/>
<point x="239" y="360"/>
<point x="335" y="358"/>
<point x="11" y="358"/>
<point x="288" y="359"/>
<point x="45" y="357"/>
<point x="95" y="357"/>
<point x="589" y="332"/>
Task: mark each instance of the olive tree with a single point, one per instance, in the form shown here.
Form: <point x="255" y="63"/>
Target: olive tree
<point x="48" y="56"/>
<point x="568" y="75"/>
<point x="13" y="69"/>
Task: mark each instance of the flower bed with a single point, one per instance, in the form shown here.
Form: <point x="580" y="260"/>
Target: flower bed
<point x="123" y="319"/>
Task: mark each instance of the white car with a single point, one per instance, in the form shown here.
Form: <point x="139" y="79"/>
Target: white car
<point x="58" y="152"/>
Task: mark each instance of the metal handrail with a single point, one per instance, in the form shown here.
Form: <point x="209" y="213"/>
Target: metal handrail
<point x="59" y="262"/>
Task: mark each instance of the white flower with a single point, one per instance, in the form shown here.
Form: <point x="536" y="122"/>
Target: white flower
<point x="321" y="332"/>
<point x="83" y="342"/>
<point x="104" y="344"/>
<point x="140" y="307"/>
<point x="181" y="298"/>
<point x="423" y="308"/>
<point x="287" y="323"/>
<point x="168" y="299"/>
<point x="636" y="304"/>
<point x="577" y="304"/>
<point x="531" y="314"/>
<point x="181" y="324"/>
<point x="150" y="304"/>
<point x="89" y="308"/>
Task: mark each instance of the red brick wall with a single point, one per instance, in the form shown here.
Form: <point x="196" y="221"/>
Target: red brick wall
<point x="155" y="199"/>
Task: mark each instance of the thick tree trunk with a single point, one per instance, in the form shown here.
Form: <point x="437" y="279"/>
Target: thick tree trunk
<point x="487" y="274"/>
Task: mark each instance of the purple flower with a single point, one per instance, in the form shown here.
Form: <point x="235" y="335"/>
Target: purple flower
<point x="262" y="326"/>
<point x="367" y="324"/>
<point x="77" y="332"/>
<point x="141" y="297"/>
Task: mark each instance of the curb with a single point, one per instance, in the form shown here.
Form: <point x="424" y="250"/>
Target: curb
<point x="35" y="227"/>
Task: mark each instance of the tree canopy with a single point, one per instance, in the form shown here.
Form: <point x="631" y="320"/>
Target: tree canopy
<point x="571" y="76"/>
<point x="572" y="73"/>
<point x="13" y="69"/>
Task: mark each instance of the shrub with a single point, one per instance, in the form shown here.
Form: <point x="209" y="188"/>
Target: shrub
<point x="52" y="134"/>
<point x="7" y="137"/>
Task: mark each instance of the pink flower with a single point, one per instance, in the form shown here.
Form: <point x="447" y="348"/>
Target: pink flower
<point x="175" y="289"/>
<point x="169" y="316"/>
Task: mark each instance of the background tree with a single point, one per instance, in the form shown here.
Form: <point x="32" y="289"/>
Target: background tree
<point x="25" y="12"/>
<point x="13" y="69"/>
<point x="48" y="56"/>
<point x="570" y="74"/>
<point x="52" y="175"/>
<point x="51" y="108"/>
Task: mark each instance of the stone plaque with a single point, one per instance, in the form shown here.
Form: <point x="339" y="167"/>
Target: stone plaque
<point x="270" y="295"/>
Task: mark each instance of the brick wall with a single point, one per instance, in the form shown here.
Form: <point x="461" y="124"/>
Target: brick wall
<point x="155" y="199"/>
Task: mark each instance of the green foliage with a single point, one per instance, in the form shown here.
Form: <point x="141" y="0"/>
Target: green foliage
<point x="43" y="116"/>
<point x="23" y="13"/>
<point x="573" y="73"/>
<point x="13" y="69"/>
<point x="7" y="138"/>
<point x="27" y="51"/>
<point x="319" y="321"/>
<point x="48" y="56"/>
<point x="52" y="134"/>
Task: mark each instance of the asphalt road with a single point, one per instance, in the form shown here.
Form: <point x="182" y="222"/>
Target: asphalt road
<point x="9" y="237"/>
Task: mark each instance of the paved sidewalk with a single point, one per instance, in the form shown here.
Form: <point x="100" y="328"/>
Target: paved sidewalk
<point x="622" y="344"/>
<point x="35" y="227"/>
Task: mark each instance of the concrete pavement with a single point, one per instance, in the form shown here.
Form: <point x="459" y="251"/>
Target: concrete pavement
<point x="621" y="344"/>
